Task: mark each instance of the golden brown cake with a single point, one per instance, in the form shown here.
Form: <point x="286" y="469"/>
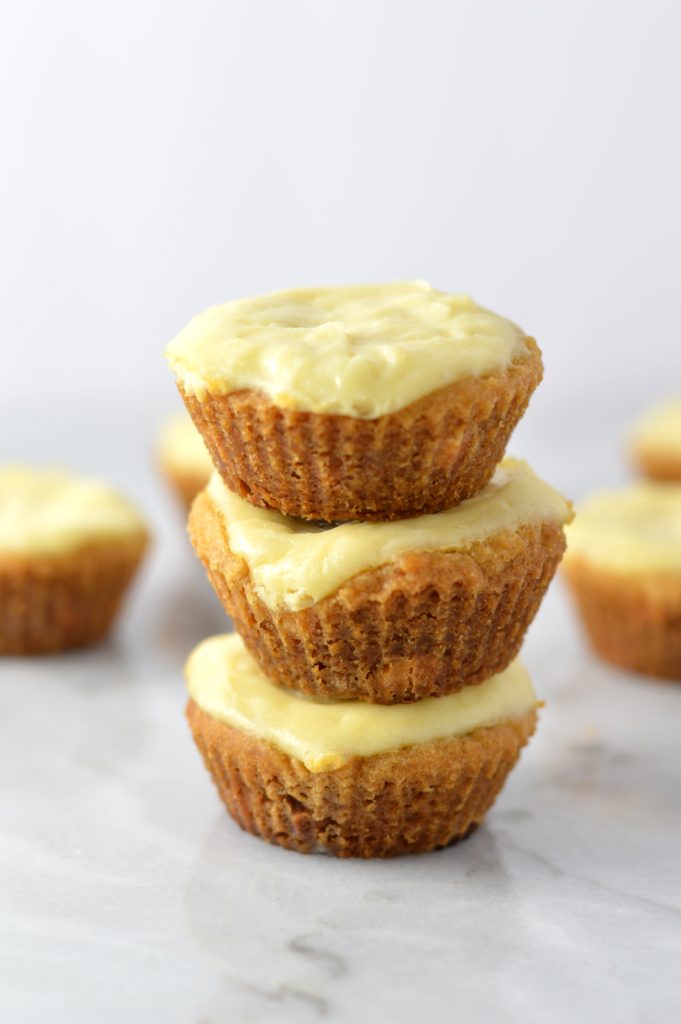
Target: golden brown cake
<point x="183" y="458"/>
<point x="385" y="612"/>
<point x="623" y="564"/>
<point x="655" y="442"/>
<point x="367" y="403"/>
<point x="356" y="779"/>
<point x="68" y="551"/>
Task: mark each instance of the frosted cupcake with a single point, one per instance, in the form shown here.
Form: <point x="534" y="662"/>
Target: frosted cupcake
<point x="353" y="779"/>
<point x="385" y="612"/>
<point x="183" y="458"/>
<point x="372" y="403"/>
<point x="655" y="442"/>
<point x="68" y="550"/>
<point x="623" y="563"/>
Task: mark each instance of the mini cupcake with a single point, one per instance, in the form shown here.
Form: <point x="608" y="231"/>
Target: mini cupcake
<point x="655" y="442"/>
<point x="385" y="612"/>
<point x="353" y="779"/>
<point x="372" y="403"/>
<point x="68" y="550"/>
<point x="183" y="458"/>
<point x="623" y="564"/>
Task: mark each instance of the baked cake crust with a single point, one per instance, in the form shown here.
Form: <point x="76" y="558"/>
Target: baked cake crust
<point x="428" y="456"/>
<point x="632" y="621"/>
<point x="425" y="625"/>
<point x="409" y="800"/>
<point x="51" y="603"/>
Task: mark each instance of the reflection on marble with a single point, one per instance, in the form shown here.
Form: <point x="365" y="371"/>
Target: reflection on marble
<point x="129" y="895"/>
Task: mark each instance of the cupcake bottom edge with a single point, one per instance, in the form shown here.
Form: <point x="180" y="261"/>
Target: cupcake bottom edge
<point x="409" y="800"/>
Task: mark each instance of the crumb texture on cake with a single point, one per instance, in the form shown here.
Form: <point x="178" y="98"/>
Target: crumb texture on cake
<point x="411" y="800"/>
<point x="294" y="563"/>
<point x="48" y="512"/>
<point x="361" y="351"/>
<point x="226" y="682"/>
<point x="434" y="453"/>
<point x="424" y="625"/>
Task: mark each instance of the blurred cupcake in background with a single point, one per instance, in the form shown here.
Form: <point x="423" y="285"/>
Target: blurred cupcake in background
<point x="655" y="441"/>
<point x="69" y="549"/>
<point x="183" y="457"/>
<point x="623" y="564"/>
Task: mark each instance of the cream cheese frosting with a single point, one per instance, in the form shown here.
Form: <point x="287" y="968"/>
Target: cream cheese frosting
<point x="227" y="683"/>
<point x="658" y="432"/>
<point x="181" y="447"/>
<point x="46" y="511"/>
<point x="361" y="351"/>
<point x="636" y="529"/>
<point x="295" y="563"/>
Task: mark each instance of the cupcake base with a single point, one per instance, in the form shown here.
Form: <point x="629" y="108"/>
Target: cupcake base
<point x="411" y="800"/>
<point x="54" y="603"/>
<point x="426" y="625"/>
<point x="632" y="623"/>
<point x="428" y="456"/>
<point x="658" y="465"/>
<point x="186" y="485"/>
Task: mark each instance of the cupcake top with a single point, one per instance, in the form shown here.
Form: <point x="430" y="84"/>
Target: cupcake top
<point x="295" y="563"/>
<point x="181" y="448"/>
<point x="636" y="529"/>
<point x="359" y="351"/>
<point x="46" y="512"/>
<point x="658" y="432"/>
<point x="227" y="683"/>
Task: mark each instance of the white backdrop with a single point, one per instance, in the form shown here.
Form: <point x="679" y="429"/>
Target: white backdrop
<point x="159" y="156"/>
<point x="163" y="156"/>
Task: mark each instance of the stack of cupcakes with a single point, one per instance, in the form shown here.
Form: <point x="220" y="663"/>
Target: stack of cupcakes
<point x="380" y="564"/>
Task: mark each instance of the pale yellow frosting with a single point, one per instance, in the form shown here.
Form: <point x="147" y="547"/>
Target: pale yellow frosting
<point x="181" y="448"/>
<point x="45" y="511"/>
<point x="295" y="563"/>
<point x="658" y="432"/>
<point x="227" y="683"/>
<point x="359" y="351"/>
<point x="634" y="530"/>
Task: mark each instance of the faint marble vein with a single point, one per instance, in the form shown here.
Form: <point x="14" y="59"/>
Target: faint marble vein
<point x="561" y="872"/>
<point x="334" y="964"/>
<point x="284" y="993"/>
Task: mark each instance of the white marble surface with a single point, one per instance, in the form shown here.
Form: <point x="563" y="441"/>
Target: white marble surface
<point x="129" y="895"/>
